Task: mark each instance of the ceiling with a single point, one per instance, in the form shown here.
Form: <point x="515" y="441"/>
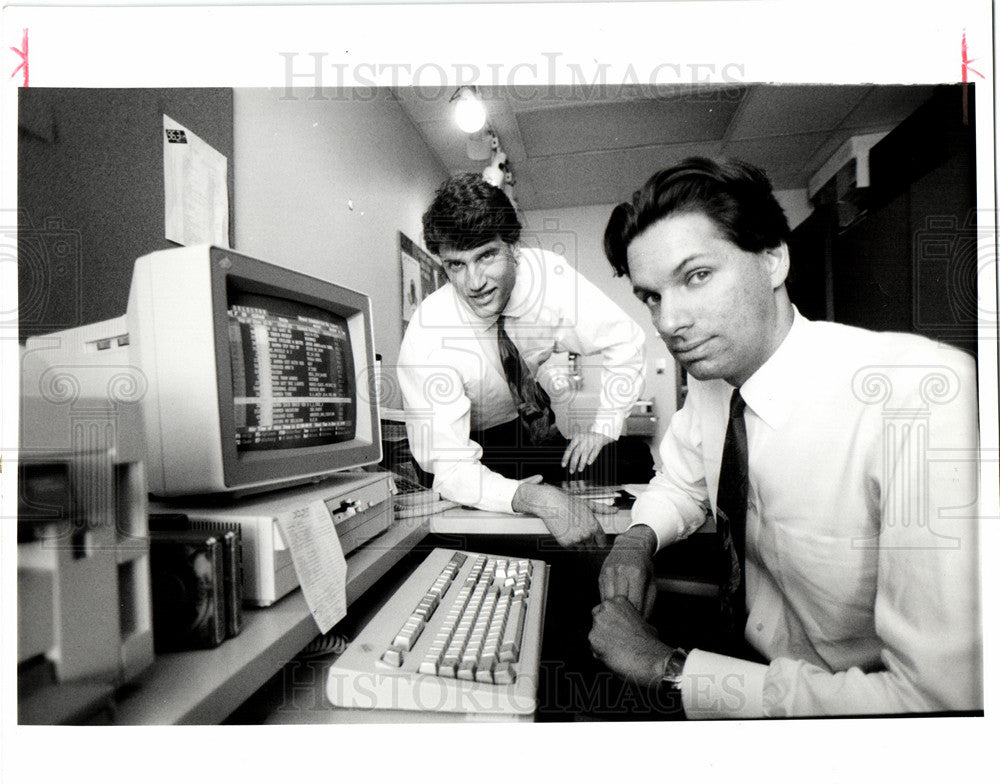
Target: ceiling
<point x="572" y="146"/>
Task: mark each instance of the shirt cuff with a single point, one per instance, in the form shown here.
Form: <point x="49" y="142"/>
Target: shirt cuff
<point x="667" y="531"/>
<point x="498" y="493"/>
<point x="609" y="424"/>
<point x="722" y="687"/>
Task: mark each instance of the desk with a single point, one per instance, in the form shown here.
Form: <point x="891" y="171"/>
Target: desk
<point x="478" y="522"/>
<point x="258" y="669"/>
<point x="571" y="684"/>
<point x="204" y="687"/>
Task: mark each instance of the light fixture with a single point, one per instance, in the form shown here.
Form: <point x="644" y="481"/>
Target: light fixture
<point x="470" y="114"/>
<point x="479" y="146"/>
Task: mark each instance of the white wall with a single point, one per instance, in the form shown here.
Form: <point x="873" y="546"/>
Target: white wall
<point x="796" y="205"/>
<point x="578" y="233"/>
<point x="324" y="187"/>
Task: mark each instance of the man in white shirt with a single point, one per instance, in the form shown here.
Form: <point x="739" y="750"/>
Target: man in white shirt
<point x="464" y="425"/>
<point x="858" y="574"/>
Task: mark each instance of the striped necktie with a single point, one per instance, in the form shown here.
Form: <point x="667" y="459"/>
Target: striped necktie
<point x="533" y="403"/>
<point x="731" y="508"/>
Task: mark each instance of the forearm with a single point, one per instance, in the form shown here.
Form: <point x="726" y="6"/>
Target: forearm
<point x="570" y="520"/>
<point x="470" y="483"/>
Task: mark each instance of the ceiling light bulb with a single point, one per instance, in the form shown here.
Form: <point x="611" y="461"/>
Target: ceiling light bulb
<point x="470" y="114"/>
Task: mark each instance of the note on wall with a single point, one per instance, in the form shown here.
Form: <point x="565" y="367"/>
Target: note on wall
<point x="195" y="193"/>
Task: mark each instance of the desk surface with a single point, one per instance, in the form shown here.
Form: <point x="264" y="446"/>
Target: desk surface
<point x="476" y="521"/>
<point x="204" y="687"/>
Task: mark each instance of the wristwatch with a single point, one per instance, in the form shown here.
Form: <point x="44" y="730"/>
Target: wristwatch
<point x="673" y="669"/>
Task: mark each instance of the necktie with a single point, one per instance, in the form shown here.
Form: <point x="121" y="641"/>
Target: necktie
<point x="533" y="403"/>
<point x="731" y="507"/>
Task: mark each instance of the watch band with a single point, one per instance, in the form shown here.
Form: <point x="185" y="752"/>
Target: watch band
<point x="673" y="668"/>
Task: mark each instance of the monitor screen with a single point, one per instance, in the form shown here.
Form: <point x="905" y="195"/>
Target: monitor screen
<point x="293" y="374"/>
<point x="284" y="397"/>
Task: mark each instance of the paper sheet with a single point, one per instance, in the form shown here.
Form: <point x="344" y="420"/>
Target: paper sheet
<point x="196" y="195"/>
<point x="319" y="562"/>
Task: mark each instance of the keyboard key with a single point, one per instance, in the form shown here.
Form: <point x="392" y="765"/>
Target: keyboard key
<point x="503" y="674"/>
<point x="466" y="672"/>
<point x="408" y="635"/>
<point x="511" y="643"/>
<point x="393" y="658"/>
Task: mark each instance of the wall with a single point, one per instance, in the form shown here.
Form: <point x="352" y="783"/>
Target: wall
<point x="90" y="193"/>
<point x="796" y="205"/>
<point x="324" y="187"/>
<point x="577" y="233"/>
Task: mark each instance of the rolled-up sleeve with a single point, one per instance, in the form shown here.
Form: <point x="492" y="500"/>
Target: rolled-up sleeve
<point x="438" y="426"/>
<point x="676" y="501"/>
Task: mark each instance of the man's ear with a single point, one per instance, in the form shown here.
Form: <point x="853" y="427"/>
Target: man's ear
<point x="777" y="264"/>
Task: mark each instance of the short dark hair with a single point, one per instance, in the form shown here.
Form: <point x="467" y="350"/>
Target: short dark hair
<point x="468" y="212"/>
<point x="735" y="195"/>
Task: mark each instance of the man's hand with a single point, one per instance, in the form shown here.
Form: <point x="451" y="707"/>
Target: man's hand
<point x="572" y="521"/>
<point x="627" y="644"/>
<point x="628" y="569"/>
<point x="583" y="449"/>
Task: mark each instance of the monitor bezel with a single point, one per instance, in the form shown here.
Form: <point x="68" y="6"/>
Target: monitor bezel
<point x="243" y="470"/>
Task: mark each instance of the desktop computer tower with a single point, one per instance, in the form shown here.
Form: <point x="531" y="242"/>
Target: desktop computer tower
<point x="357" y="503"/>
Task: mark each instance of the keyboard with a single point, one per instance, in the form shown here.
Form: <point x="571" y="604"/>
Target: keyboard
<point x="461" y="635"/>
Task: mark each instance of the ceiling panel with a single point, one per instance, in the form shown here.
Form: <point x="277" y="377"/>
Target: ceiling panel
<point x="780" y="157"/>
<point x="570" y="129"/>
<point x="887" y="106"/>
<point x="602" y="178"/>
<point x="573" y="145"/>
<point x="778" y="110"/>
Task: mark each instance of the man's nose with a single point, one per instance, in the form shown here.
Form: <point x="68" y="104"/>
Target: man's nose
<point x="476" y="277"/>
<point x="671" y="316"/>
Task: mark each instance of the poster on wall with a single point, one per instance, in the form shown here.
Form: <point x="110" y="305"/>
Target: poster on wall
<point x="195" y="194"/>
<point x="421" y="276"/>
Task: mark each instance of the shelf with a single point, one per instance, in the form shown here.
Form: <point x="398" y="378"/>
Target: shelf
<point x="203" y="687"/>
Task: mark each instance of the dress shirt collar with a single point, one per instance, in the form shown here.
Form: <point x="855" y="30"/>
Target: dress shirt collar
<point x="773" y="390"/>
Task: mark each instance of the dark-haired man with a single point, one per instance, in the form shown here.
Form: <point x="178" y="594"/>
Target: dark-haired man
<point x="841" y="465"/>
<point x="478" y="420"/>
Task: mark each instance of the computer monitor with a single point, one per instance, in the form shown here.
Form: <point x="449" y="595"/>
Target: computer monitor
<point x="250" y="376"/>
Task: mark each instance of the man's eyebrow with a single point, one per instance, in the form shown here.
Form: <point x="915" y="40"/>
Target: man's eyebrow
<point x="486" y="251"/>
<point x="681" y="268"/>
